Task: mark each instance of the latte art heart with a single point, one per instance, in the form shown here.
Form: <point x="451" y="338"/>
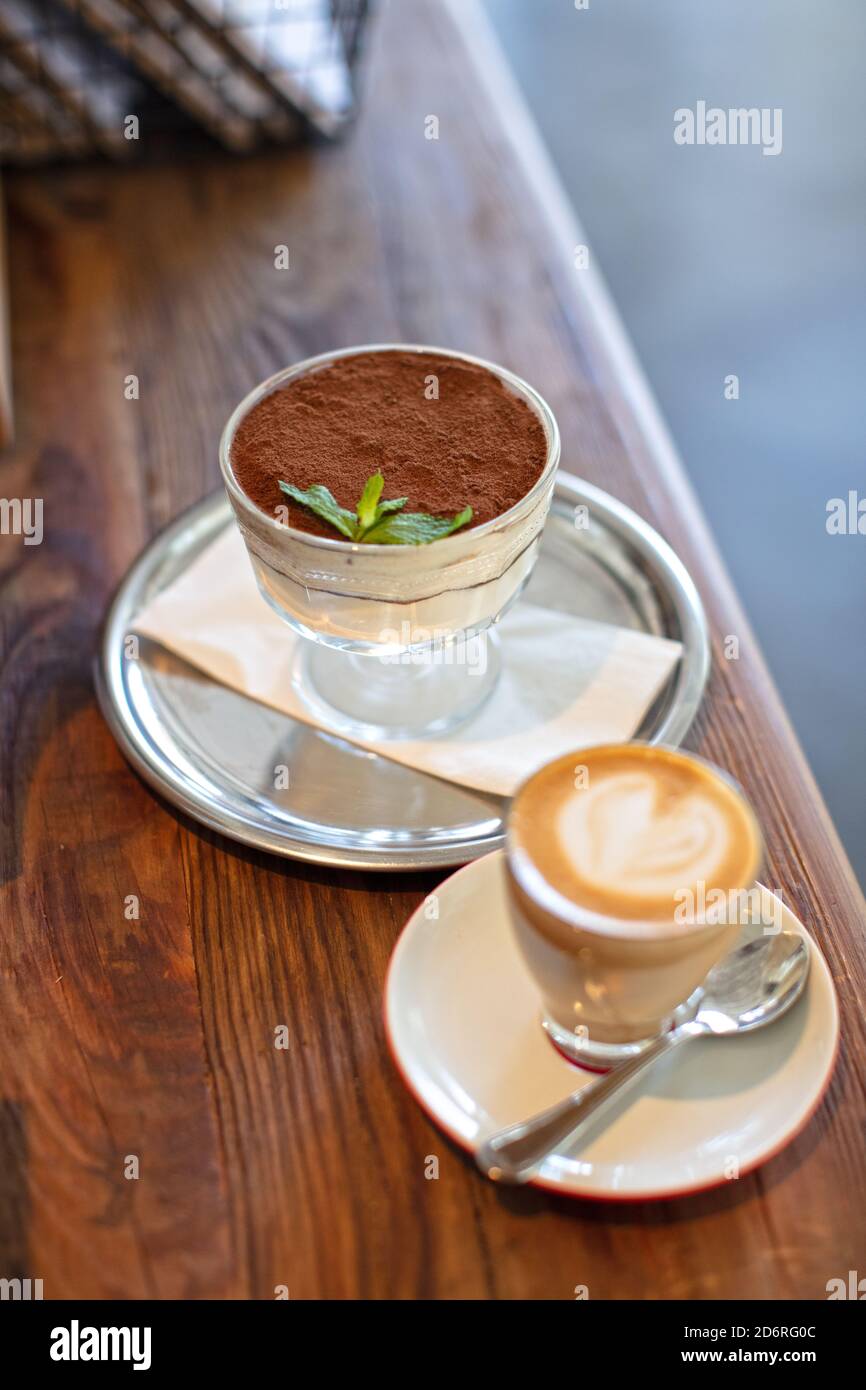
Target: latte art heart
<point x="632" y="832"/>
<point x="626" y="836"/>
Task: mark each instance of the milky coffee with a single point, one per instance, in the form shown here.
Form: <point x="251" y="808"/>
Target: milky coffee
<point x="611" y="853"/>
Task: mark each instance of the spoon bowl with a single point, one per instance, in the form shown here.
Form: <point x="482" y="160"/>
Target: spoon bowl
<point x="753" y="985"/>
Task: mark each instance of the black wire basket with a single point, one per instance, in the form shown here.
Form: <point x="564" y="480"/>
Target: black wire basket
<point x="124" y="78"/>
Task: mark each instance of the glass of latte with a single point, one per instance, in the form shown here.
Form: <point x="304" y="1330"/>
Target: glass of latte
<point x="631" y="869"/>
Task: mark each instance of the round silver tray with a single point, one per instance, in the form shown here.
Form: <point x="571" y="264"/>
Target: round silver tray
<point x="212" y="751"/>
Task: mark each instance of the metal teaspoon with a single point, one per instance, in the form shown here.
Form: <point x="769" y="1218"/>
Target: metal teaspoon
<point x="749" y="988"/>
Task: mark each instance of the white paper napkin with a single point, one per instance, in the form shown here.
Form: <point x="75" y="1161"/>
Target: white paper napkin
<point x="565" y="682"/>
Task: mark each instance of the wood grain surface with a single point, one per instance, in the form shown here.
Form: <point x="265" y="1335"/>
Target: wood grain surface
<point x="154" y="1037"/>
<point x="6" y="416"/>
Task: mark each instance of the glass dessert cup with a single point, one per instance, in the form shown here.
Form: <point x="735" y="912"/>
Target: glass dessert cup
<point x="398" y="640"/>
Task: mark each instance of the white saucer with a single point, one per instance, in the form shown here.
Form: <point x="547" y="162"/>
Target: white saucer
<point x="462" y="1019"/>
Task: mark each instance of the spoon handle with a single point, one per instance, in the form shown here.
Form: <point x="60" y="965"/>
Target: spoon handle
<point x="514" y="1154"/>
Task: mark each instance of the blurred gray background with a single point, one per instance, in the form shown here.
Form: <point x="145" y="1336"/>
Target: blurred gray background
<point x="723" y="260"/>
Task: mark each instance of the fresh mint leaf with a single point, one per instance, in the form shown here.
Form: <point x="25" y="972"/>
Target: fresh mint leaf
<point x="325" y="505"/>
<point x="396" y="504"/>
<point x="415" y="528"/>
<point x="382" y="509"/>
<point x="368" y="504"/>
<point x="376" y="522"/>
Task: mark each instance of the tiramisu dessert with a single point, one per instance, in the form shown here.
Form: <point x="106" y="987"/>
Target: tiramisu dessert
<point x="390" y="447"/>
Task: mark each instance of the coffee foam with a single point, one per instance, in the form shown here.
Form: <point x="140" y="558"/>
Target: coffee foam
<point x="625" y="831"/>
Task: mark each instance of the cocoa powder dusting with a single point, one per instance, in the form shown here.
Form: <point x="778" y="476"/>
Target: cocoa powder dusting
<point x="477" y="445"/>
